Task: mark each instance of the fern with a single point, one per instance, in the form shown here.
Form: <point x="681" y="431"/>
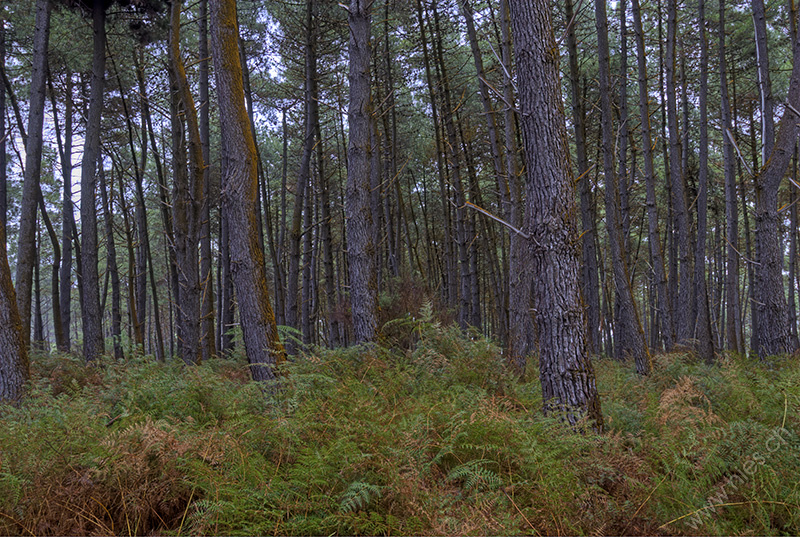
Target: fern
<point x="476" y="475"/>
<point x="358" y="496"/>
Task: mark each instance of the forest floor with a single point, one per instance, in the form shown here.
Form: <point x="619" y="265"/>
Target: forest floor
<point x="428" y="434"/>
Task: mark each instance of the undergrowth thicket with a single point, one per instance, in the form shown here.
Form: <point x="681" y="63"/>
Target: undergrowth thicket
<point x="437" y="439"/>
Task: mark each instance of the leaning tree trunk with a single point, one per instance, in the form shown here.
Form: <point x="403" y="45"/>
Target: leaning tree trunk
<point x="567" y="377"/>
<point x="93" y="344"/>
<point x="360" y="245"/>
<point x="239" y="189"/>
<point x="26" y="251"/>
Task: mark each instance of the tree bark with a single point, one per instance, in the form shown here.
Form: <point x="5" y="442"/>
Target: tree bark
<point x="774" y="336"/>
<point x="631" y="339"/>
<point x="238" y="198"/>
<point x="26" y="250"/>
<point x="186" y="201"/>
<point x="14" y="366"/>
<point x="702" y="331"/>
<point x="93" y="344"/>
<point x="360" y="233"/>
<point x="653" y="238"/>
<point x="111" y="264"/>
<point x="566" y="372"/>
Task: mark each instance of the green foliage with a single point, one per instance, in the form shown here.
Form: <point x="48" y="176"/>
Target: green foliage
<point x="437" y="438"/>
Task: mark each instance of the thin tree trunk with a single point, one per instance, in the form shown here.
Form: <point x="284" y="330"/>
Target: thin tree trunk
<point x="93" y="344"/>
<point x="683" y="330"/>
<point x="26" y="250"/>
<point x="632" y="339"/>
<point x="653" y="238"/>
<point x="111" y="267"/>
<point x="702" y="331"/>
<point x="206" y="262"/>
<point x="589" y="267"/>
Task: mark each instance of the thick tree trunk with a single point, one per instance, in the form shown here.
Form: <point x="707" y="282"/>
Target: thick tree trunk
<point x="360" y="234"/>
<point x="14" y="367"/>
<point x="567" y="377"/>
<point x="93" y="344"/>
<point x="26" y="251"/>
<point x="238" y="198"/>
<point x="774" y="336"/>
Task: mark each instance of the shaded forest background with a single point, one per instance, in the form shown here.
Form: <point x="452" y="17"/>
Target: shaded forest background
<point x="195" y="195"/>
<point x="684" y="194"/>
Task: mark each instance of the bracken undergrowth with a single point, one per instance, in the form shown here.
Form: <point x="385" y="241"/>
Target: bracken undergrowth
<point x="438" y="438"/>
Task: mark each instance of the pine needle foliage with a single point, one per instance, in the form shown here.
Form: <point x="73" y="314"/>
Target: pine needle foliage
<point x="434" y="438"/>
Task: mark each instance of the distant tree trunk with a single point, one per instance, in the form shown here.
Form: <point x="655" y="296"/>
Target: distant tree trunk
<point x="733" y="328"/>
<point x="93" y="344"/>
<point x="304" y="175"/>
<point x="566" y="372"/>
<point x="764" y="82"/>
<point x="680" y="210"/>
<point x="702" y="332"/>
<point x="3" y="163"/>
<point x="186" y="201"/>
<point x="589" y="267"/>
<point x="206" y="262"/>
<point x="653" y="237"/>
<point x="239" y="191"/>
<point x="14" y="367"/>
<point x="111" y="264"/>
<point x="631" y="340"/>
<point x="26" y="251"/>
<point x="67" y="216"/>
<point x="361" y="248"/>
<point x="774" y="336"/>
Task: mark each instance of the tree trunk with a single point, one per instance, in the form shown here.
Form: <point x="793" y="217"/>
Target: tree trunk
<point x="589" y="267"/>
<point x="683" y="329"/>
<point x="111" y="266"/>
<point x="631" y="339"/>
<point x="653" y="238"/>
<point x="14" y="367"/>
<point x="26" y="251"/>
<point x="702" y="332"/>
<point x="93" y="344"/>
<point x="238" y="198"/>
<point x="206" y="262"/>
<point x="566" y="372"/>
<point x="186" y="201"/>
<point x="360" y="234"/>
<point x="774" y="336"/>
<point x="3" y="162"/>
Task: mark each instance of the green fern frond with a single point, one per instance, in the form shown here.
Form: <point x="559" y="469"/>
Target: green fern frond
<point x="475" y="475"/>
<point x="358" y="496"/>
